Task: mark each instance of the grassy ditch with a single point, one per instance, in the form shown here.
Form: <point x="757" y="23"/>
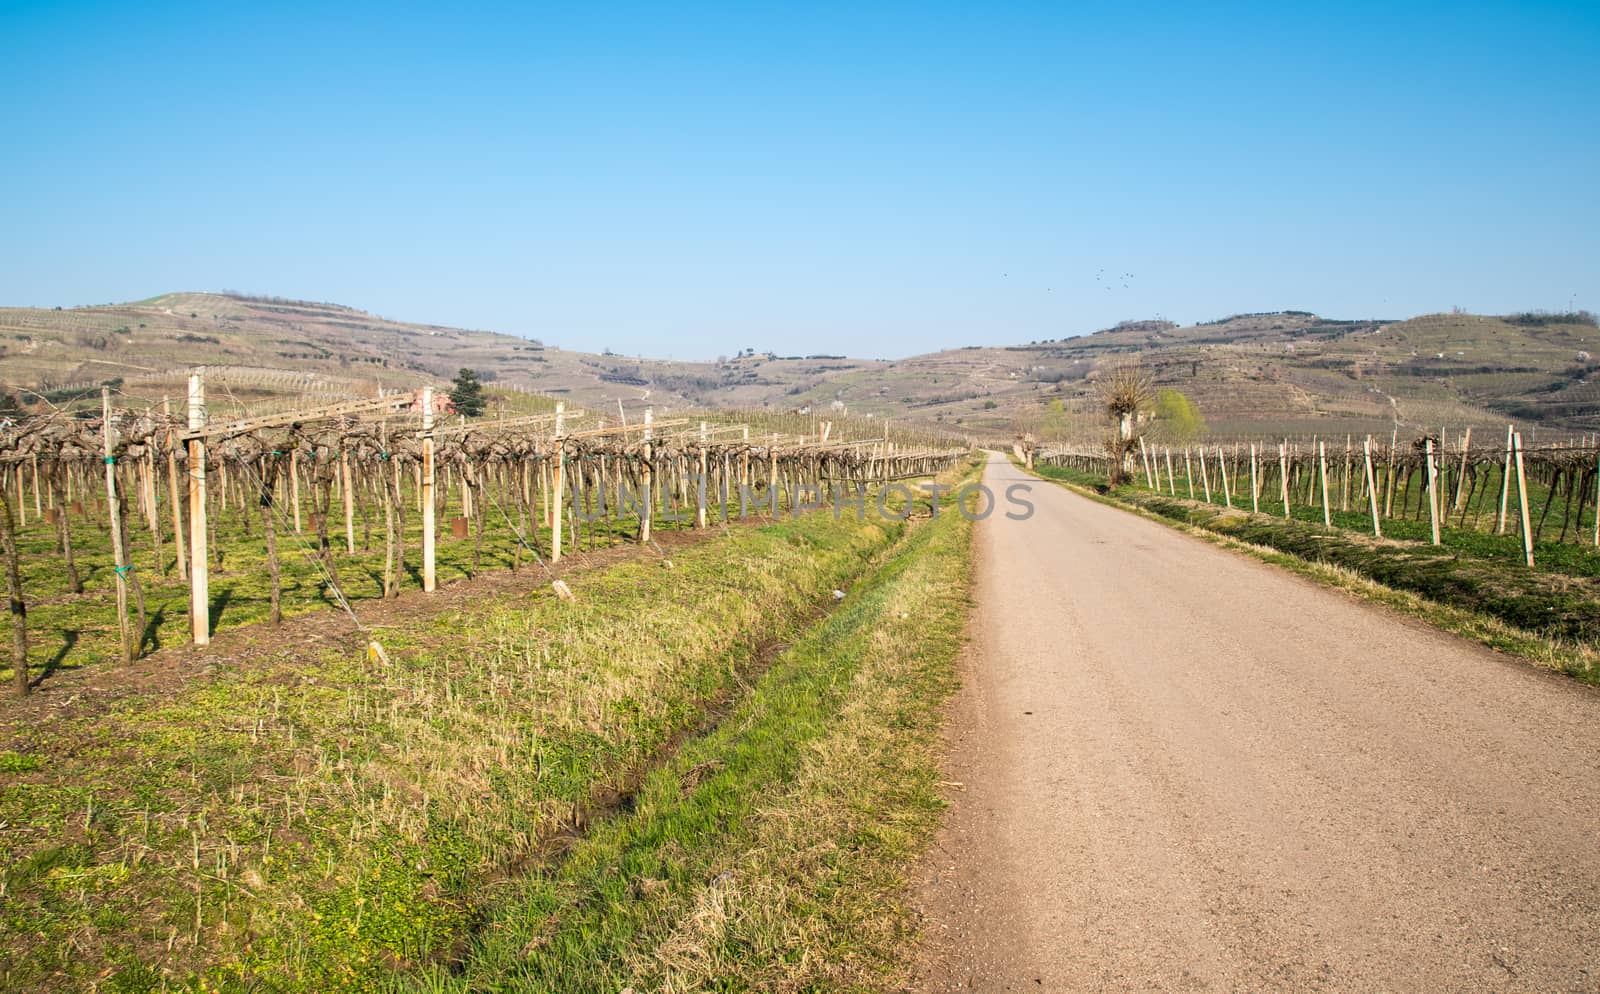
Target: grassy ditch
<point x="1548" y="616"/>
<point x="769" y="854"/>
<point x="337" y="824"/>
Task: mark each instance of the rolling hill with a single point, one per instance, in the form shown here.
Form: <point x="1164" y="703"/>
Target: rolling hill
<point x="1249" y="374"/>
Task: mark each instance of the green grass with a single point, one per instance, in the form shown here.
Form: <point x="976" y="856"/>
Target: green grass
<point x="313" y="824"/>
<point x="770" y="854"/>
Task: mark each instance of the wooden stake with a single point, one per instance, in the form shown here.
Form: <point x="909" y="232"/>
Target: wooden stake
<point x="294" y="485"/>
<point x="172" y="487"/>
<point x="119" y="555"/>
<point x="1505" y="480"/>
<point x="1322" y="470"/>
<point x="1461" y="475"/>
<point x="1255" y="489"/>
<point x="1433" y="491"/>
<point x="1372" y="490"/>
<point x="151" y="510"/>
<point x="744" y="460"/>
<point x="1388" y="483"/>
<point x="561" y="482"/>
<point x="700" y="495"/>
<point x="1597" y="501"/>
<point x="430" y="538"/>
<point x="1145" y="457"/>
<point x="199" y="578"/>
<point x="348" y="492"/>
<point x="1172" y="484"/>
<point x="1283" y="475"/>
<point x="19" y="607"/>
<point x="1222" y="472"/>
<point x="647" y="474"/>
<point x="1188" y="472"/>
<point x="1522" y="498"/>
<point x="1344" y="487"/>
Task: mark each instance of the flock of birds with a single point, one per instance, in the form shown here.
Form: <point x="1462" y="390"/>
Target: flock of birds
<point x="1110" y="285"/>
<point x="1099" y="277"/>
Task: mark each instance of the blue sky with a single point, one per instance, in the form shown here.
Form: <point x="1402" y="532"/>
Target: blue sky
<point x="689" y="180"/>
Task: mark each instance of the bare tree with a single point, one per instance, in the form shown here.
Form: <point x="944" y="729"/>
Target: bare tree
<point x="1125" y="390"/>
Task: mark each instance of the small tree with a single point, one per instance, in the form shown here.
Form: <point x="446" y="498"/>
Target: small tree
<point x="1125" y="390"/>
<point x="466" y="393"/>
<point x="1180" y="420"/>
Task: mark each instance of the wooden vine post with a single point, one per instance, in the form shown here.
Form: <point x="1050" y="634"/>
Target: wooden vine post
<point x="772" y="476"/>
<point x="294" y="485"/>
<point x="1322" y="472"/>
<point x="744" y="462"/>
<point x="1283" y="475"/>
<point x="1522" y="498"/>
<point x="1388" y="488"/>
<point x="429" y="538"/>
<point x="119" y="555"/>
<point x="199" y="579"/>
<point x="1188" y="472"/>
<point x="645" y="476"/>
<point x="561" y="482"/>
<point x="1597" y="500"/>
<point x="349" y="502"/>
<point x="1372" y="490"/>
<point x="1172" y="485"/>
<point x="172" y="487"/>
<point x="700" y="496"/>
<point x="1432" y="476"/>
<point x="1255" y="486"/>
<point x="1461" y="474"/>
<point x="19" y="607"/>
<point x="1505" y="480"/>
<point x="1222" y="474"/>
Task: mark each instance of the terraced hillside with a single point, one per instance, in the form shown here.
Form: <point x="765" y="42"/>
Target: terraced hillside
<point x="1249" y="374"/>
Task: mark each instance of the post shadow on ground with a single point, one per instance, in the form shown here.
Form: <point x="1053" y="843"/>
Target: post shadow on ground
<point x="68" y="642"/>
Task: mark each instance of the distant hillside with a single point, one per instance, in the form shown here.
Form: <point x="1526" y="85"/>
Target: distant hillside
<point x="1249" y="374"/>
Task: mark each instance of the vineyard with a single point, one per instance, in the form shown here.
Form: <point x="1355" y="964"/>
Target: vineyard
<point x="129" y="529"/>
<point x="1500" y="532"/>
<point x="1537" y="494"/>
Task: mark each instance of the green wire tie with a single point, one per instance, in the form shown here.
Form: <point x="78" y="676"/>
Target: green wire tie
<point x="123" y="570"/>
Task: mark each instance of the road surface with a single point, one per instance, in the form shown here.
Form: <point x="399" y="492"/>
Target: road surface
<point x="1185" y="770"/>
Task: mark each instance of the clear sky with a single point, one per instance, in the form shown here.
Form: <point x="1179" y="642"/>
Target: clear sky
<point x="688" y="180"/>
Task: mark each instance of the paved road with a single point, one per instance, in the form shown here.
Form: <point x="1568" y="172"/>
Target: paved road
<point x="1188" y="771"/>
